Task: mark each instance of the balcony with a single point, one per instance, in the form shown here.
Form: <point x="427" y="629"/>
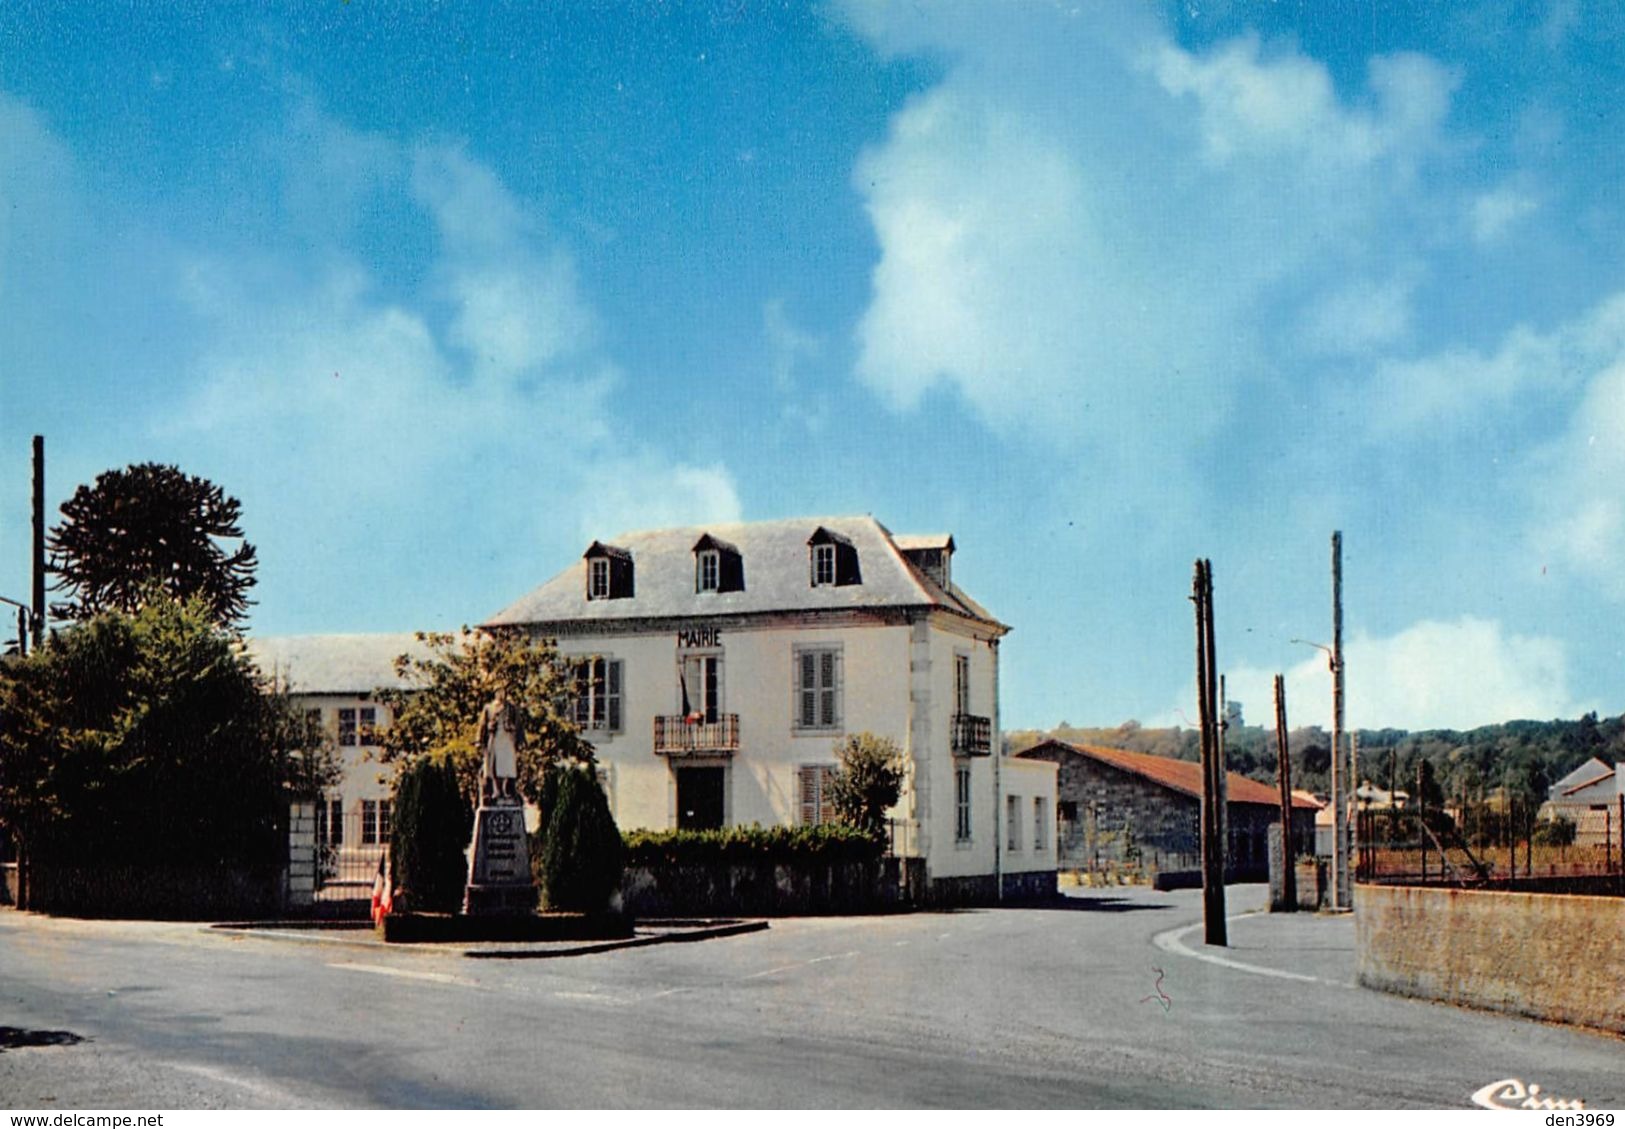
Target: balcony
<point x="973" y="736"/>
<point x="676" y="735"/>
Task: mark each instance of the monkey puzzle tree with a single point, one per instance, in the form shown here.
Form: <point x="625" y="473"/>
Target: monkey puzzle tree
<point x="149" y="529"/>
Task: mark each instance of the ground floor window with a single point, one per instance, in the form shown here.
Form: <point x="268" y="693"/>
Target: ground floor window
<point x="330" y="822"/>
<point x="962" y="803"/>
<point x="815" y="781"/>
<point x="375" y="816"/>
<point x="1040" y="832"/>
<point x="1012" y="816"/>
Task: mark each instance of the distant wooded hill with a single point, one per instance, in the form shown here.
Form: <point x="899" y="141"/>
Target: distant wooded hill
<point x="1522" y="755"/>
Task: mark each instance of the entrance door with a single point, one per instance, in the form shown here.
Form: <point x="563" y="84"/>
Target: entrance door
<point x="699" y="798"/>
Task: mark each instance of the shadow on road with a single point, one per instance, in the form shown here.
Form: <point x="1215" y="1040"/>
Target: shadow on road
<point x="12" y="1037"/>
<point x="1084" y="903"/>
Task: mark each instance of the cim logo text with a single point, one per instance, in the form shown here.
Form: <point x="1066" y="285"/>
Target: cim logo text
<point x="1513" y="1093"/>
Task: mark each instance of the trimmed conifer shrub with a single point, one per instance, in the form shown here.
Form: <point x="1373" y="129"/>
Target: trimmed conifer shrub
<point x="432" y="825"/>
<point x="582" y="854"/>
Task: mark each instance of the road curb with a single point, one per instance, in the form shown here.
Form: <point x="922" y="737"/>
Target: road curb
<point x="731" y="929"/>
<point x="364" y="937"/>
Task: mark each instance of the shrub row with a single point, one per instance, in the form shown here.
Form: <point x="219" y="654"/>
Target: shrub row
<point x="824" y="842"/>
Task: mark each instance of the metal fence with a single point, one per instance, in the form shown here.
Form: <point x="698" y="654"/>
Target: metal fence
<point x="1484" y="846"/>
<point x="348" y="850"/>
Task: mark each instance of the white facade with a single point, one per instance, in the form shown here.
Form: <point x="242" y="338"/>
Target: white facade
<point x="333" y="678"/>
<point x="712" y="704"/>
<point x="719" y="669"/>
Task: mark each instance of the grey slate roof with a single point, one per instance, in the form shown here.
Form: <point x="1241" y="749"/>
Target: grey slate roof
<point x="776" y="577"/>
<point x="334" y="664"/>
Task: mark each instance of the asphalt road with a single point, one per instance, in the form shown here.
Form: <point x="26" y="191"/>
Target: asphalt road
<point x="1109" y="1002"/>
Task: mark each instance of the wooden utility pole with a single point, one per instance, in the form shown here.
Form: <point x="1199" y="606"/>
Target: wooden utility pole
<point x="1207" y="693"/>
<point x="1283" y="781"/>
<point x="1221" y="774"/>
<point x="1340" y="815"/>
<point x="39" y="540"/>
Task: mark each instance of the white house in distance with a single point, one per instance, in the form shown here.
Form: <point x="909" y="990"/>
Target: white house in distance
<point x="719" y="667"/>
<point x="333" y="678"/>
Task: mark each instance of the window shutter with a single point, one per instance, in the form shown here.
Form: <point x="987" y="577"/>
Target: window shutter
<point x="826" y="804"/>
<point x="612" y="674"/>
<point x="828" y="667"/>
<point x="583" y="694"/>
<point x="809" y="689"/>
<point x="809" y="794"/>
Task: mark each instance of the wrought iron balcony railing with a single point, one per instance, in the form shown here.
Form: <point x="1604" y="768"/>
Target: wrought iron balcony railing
<point x="678" y="735"/>
<point x="973" y="736"/>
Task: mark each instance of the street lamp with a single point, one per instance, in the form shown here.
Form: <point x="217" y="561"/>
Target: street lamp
<point x="25" y="621"/>
<point x="1340" y="816"/>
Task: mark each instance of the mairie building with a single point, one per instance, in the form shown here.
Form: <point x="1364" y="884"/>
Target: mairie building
<point x="717" y="670"/>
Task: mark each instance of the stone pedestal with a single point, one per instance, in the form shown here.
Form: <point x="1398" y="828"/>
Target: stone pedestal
<point x="499" y="878"/>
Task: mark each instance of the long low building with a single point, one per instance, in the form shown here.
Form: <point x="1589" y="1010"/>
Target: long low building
<point x="1118" y="808"/>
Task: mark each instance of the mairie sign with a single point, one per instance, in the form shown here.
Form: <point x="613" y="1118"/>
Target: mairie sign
<point x="699" y="637"/>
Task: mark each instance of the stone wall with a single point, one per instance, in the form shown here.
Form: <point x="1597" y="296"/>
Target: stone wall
<point x="1551" y="956"/>
<point x="1120" y="819"/>
<point x="185" y="893"/>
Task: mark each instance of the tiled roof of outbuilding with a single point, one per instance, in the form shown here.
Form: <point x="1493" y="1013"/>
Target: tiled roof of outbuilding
<point x="1178" y="775"/>
<point x="774" y="555"/>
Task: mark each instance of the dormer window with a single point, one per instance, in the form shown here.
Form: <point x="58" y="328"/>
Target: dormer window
<point x="832" y="559"/>
<point x="823" y="565"/>
<point x="609" y="572"/>
<point x="707" y="567"/>
<point x="718" y="566"/>
<point x="932" y="554"/>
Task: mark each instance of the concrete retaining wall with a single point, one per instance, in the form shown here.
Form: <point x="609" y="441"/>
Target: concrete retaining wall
<point x="1551" y="956"/>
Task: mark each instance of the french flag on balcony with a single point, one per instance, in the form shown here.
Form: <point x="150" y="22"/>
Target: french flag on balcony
<point x="691" y="716"/>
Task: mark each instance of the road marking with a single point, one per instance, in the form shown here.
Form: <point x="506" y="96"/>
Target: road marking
<point x="276" y="1095"/>
<point x="596" y="997"/>
<point x="833" y="956"/>
<point x="770" y="971"/>
<point x="406" y="973"/>
<point x="1170" y="941"/>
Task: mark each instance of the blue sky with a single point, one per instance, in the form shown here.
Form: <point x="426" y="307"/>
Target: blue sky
<point x="442" y="295"/>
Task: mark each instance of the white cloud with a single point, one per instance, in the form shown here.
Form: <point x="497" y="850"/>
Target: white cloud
<point x="493" y="443"/>
<point x="1361" y="317"/>
<point x="1459" y="387"/>
<point x="645" y="493"/>
<point x="1494" y="212"/>
<point x="517" y="304"/>
<point x="788" y="345"/>
<point x="1052" y="255"/>
<point x="1287" y="105"/>
<point x="1434" y="674"/>
<point x="1582" y="486"/>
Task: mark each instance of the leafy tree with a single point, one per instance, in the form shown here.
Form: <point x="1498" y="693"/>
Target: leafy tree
<point x="440" y="712"/>
<point x="151" y="739"/>
<point x="1558" y="831"/>
<point x="868" y="780"/>
<point x="582" y="853"/>
<point x="150" y="529"/>
<point x="432" y="826"/>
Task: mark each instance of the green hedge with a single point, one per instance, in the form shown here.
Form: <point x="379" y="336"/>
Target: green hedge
<point x="825" y="842"/>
